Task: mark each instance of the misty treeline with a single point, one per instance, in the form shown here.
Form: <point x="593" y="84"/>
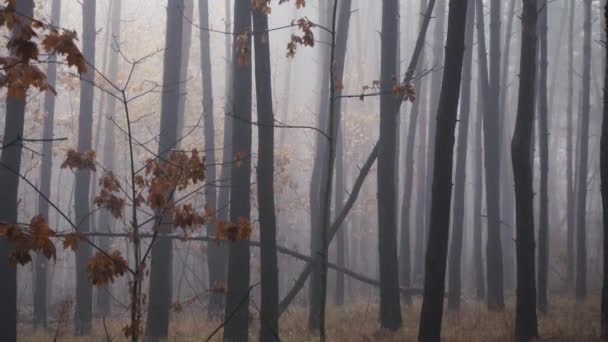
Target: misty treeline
<point x="238" y="165"/>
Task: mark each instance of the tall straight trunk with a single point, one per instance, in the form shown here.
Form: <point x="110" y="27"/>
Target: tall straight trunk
<point x="187" y="14"/>
<point x="340" y="189"/>
<point x="109" y="154"/>
<point x="82" y="208"/>
<point x="9" y="183"/>
<point x="421" y="106"/>
<point x="455" y="263"/>
<point x="46" y="167"/>
<point x="543" y="141"/>
<point x="269" y="310"/>
<point x="604" y="188"/>
<point x="216" y="254"/>
<point x="570" y="200"/>
<point x="390" y="308"/>
<point x="480" y="285"/>
<point x="161" y="264"/>
<point x="405" y="253"/>
<point x="237" y="327"/>
<point x="526" y="326"/>
<point x="581" y="211"/>
<point x="495" y="295"/>
<point x="439" y="227"/>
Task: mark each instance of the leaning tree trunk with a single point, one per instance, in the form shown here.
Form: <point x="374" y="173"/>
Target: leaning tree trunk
<point x="46" y="167"/>
<point x="526" y="326"/>
<point x="10" y="164"/>
<point x="604" y="189"/>
<point x="237" y="327"/>
<point x="82" y="208"/>
<point x="161" y="264"/>
<point x="581" y="210"/>
<point x="543" y="141"/>
<point x="269" y="309"/>
<point x="439" y="226"/>
<point x="390" y="308"/>
<point x="455" y="263"/>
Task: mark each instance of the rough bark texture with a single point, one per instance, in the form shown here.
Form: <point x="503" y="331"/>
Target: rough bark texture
<point x="604" y="189"/>
<point x="581" y="210"/>
<point x="161" y="264"/>
<point x="237" y="299"/>
<point x="46" y="167"/>
<point x="526" y="326"/>
<point x="439" y="226"/>
<point x="390" y="308"/>
<point x="543" y="141"/>
<point x="455" y="263"/>
<point x="9" y="183"/>
<point x="82" y="208"/>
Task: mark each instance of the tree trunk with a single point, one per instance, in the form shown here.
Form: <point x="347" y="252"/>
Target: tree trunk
<point x="269" y="315"/>
<point x="526" y="326"/>
<point x="237" y="299"/>
<point x="187" y="15"/>
<point x="439" y="225"/>
<point x="390" y="308"/>
<point x="543" y="141"/>
<point x="46" y="168"/>
<point x="480" y="285"/>
<point x="454" y="280"/>
<point x="82" y="208"/>
<point x="161" y="264"/>
<point x="581" y="211"/>
<point x="604" y="188"/>
<point x="570" y="194"/>
<point x="9" y="183"/>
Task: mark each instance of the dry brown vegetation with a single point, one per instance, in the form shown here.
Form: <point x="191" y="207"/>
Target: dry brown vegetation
<point x="566" y="321"/>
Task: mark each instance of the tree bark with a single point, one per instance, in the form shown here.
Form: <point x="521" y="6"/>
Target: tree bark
<point x="480" y="285"/>
<point x="570" y="194"/>
<point x="439" y="226"/>
<point x="526" y="326"/>
<point x="604" y="189"/>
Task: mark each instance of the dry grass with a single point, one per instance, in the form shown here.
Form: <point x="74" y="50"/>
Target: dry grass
<point x="567" y="321"/>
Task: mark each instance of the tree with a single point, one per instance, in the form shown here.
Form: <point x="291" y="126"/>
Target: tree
<point x="269" y="315"/>
<point x="581" y="211"/>
<point x="480" y="285"/>
<point x="390" y="308"/>
<point x="237" y="300"/>
<point x="9" y="183"/>
<point x="604" y="189"/>
<point x="439" y="225"/>
<point x="570" y="200"/>
<point x="455" y="261"/>
<point x="543" y="141"/>
<point x="160" y="290"/>
<point x="82" y="208"/>
<point x="40" y="285"/>
<point x="526" y="326"/>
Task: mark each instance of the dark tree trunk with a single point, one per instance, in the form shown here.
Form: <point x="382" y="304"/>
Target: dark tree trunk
<point x="46" y="167"/>
<point x="526" y="326"/>
<point x="9" y="183"/>
<point x="604" y="189"/>
<point x="480" y="284"/>
<point x="161" y="264"/>
<point x="187" y="14"/>
<point x="216" y="255"/>
<point x="269" y="311"/>
<point x="390" y="308"/>
<point x="495" y="299"/>
<point x="543" y="141"/>
<point x="439" y="226"/>
<point x="109" y="156"/>
<point x="570" y="194"/>
<point x="82" y="208"/>
<point x="455" y="264"/>
<point x="581" y="211"/>
<point x="237" y="299"/>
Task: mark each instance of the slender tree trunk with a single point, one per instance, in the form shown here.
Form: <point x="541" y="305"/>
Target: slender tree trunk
<point x="604" y="188"/>
<point x="340" y="189"/>
<point x="480" y="285"/>
<point x="439" y="226"/>
<point x="46" y="167"/>
<point x="187" y="15"/>
<point x="543" y="141"/>
<point x="526" y="326"/>
<point x="269" y="315"/>
<point x="390" y="308"/>
<point x="237" y="302"/>
<point x="455" y="264"/>
<point x="161" y="264"/>
<point x="9" y="183"/>
<point x="570" y="199"/>
<point x="84" y="290"/>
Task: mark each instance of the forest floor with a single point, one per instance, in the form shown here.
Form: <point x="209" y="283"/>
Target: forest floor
<point x="567" y="320"/>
